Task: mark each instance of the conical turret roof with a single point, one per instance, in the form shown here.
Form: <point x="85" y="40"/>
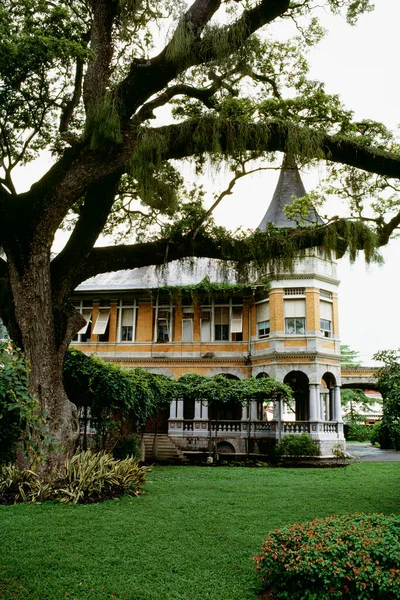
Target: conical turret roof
<point x="289" y="184"/>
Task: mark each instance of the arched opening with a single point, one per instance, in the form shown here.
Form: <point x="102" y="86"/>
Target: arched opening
<point x="299" y="383"/>
<point x="328" y="383"/>
<point x="262" y="375"/>
<point x="226" y="411"/>
<point x="188" y="409"/>
<point x="225" y="448"/>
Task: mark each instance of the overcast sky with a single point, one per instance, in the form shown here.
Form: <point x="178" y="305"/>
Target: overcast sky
<point x="361" y="65"/>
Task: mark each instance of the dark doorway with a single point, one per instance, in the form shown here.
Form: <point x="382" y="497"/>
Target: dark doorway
<point x="298" y="381"/>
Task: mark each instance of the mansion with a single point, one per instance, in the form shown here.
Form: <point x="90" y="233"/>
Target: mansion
<point x="289" y="332"/>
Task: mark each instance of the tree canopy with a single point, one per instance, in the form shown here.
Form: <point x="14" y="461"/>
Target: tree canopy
<point x="120" y="92"/>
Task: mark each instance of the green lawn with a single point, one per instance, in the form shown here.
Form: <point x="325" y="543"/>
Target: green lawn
<point x="191" y="536"/>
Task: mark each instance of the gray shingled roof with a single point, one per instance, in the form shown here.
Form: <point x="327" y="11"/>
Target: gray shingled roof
<point x="192" y="272"/>
<point x="174" y="274"/>
<point x="289" y="184"/>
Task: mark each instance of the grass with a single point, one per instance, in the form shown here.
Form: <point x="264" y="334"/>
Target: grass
<point x="191" y="536"/>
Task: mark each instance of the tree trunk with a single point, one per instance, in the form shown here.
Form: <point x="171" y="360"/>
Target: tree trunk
<point x="45" y="338"/>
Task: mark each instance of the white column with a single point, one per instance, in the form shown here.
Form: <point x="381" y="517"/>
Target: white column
<point x="253" y="411"/>
<point x="204" y="410"/>
<point x="245" y="412"/>
<point x="327" y="405"/>
<point x="179" y="411"/>
<point x="314" y="411"/>
<point x="197" y="410"/>
<point x="276" y="410"/>
<point x="337" y="407"/>
<point x="172" y="410"/>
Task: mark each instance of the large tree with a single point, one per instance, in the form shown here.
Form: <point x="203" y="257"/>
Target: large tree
<point x="89" y="81"/>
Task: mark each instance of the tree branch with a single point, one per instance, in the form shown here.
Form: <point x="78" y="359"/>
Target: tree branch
<point x="146" y="78"/>
<point x="67" y="265"/>
<point x="98" y="69"/>
<point x="72" y="103"/>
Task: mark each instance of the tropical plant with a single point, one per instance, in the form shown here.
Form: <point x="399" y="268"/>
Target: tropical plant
<point x="86" y="477"/>
<point x="351" y="556"/>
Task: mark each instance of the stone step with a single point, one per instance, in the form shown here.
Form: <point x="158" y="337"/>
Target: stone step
<point x="166" y="449"/>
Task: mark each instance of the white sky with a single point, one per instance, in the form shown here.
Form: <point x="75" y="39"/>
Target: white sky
<point x="361" y="65"/>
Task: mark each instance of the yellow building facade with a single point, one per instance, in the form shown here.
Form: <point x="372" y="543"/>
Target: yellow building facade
<point x="290" y="332"/>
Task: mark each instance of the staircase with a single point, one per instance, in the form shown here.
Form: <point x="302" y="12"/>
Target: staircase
<point x="160" y="448"/>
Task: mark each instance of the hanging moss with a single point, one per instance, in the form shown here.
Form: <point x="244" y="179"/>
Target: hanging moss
<point x="209" y="289"/>
<point x="103" y="126"/>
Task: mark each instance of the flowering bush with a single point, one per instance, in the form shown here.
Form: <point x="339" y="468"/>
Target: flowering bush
<point x="351" y="556"/>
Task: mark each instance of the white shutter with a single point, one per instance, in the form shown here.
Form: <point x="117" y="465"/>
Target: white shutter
<point x="263" y="312"/>
<point x="221" y="315"/>
<point x="127" y="317"/>
<point x="101" y="323"/>
<point x="205" y="330"/>
<point x="295" y="308"/>
<point x="326" y="310"/>
<point x="237" y="324"/>
<point x="87" y="315"/>
<point x="187" y="330"/>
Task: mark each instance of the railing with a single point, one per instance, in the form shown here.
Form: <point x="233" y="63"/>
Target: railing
<point x="254" y="428"/>
<point x="226" y="426"/>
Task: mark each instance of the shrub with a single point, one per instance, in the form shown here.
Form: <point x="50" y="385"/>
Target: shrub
<point x="359" y="432"/>
<point x="351" y="556"/>
<point x="86" y="477"/>
<point x="128" y="446"/>
<point x="297" y="445"/>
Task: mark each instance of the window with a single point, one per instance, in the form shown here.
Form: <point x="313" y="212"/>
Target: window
<point x="326" y="310"/>
<point x="295" y="326"/>
<point x="295" y="317"/>
<point x="187" y="323"/>
<point x="221" y="323"/>
<point x="263" y="329"/>
<point x="163" y="324"/>
<point x="294" y="292"/>
<point x="101" y="327"/>
<point x="263" y="320"/>
<point x="326" y="328"/>
<point x="325" y="294"/>
<point x="85" y="308"/>
<point x="205" y="325"/>
<point x="237" y="324"/>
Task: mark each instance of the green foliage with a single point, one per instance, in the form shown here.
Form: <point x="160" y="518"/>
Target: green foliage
<point x="85" y="478"/>
<point x="219" y="388"/>
<point x="389" y="386"/>
<point x="349" y="357"/>
<point x="103" y="127"/>
<point x="352" y="556"/>
<point x="127" y="446"/>
<point x="355" y="405"/>
<point x="21" y="423"/>
<point x="208" y="289"/>
<point x="113" y="393"/>
<point x="297" y="445"/>
<point x="221" y="509"/>
<point x="359" y="432"/>
<point x="380" y="434"/>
